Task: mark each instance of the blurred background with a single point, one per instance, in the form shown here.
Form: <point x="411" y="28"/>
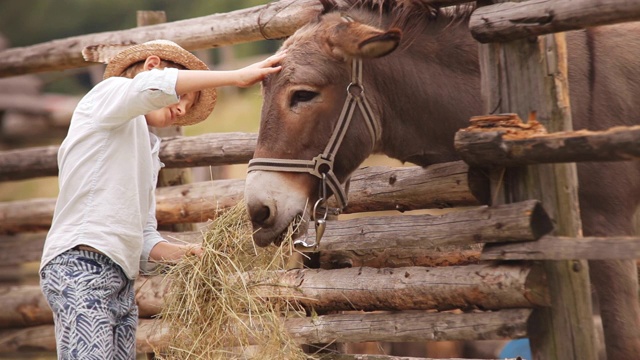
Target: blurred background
<point x="49" y="98"/>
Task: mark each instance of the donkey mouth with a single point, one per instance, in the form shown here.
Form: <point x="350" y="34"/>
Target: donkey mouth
<point x="296" y="228"/>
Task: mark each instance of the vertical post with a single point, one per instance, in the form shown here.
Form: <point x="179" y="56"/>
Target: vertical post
<point x="167" y="177"/>
<point x="528" y="77"/>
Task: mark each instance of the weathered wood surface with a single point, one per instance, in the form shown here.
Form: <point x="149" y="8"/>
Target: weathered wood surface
<point x="271" y="21"/>
<point x="357" y="327"/>
<point x="405" y="188"/>
<point x="530" y="76"/>
<point x="479" y="147"/>
<point x="487" y="287"/>
<point x="515" y="20"/>
<point x="175" y="152"/>
<point x="564" y="248"/>
<point x="384" y="357"/>
<point x="18" y="249"/>
<point x="514" y="222"/>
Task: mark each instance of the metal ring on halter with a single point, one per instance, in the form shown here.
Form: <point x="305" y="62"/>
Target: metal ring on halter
<point x="355" y="85"/>
<point x="322" y="199"/>
<point x="302" y="244"/>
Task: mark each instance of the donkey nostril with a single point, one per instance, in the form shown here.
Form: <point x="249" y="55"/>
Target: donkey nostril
<point x="261" y="215"/>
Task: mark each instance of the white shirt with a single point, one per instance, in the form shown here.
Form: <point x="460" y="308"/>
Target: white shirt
<point x="108" y="168"/>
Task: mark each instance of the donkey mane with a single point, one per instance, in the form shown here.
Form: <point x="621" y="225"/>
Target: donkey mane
<point x="403" y="11"/>
<point x="409" y="15"/>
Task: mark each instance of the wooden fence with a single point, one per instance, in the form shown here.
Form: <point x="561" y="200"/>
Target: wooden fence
<point x="502" y="295"/>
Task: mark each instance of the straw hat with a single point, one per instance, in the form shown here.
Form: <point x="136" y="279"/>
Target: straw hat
<point x="118" y="58"/>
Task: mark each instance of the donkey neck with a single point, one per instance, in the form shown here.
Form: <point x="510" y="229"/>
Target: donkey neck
<point x="426" y="92"/>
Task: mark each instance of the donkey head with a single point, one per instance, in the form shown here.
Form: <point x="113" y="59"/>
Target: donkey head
<point x="302" y="106"/>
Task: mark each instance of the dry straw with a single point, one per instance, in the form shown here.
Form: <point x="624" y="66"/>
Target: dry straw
<point x="224" y="305"/>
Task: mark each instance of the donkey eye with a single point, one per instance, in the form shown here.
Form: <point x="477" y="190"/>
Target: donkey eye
<point x="302" y="96"/>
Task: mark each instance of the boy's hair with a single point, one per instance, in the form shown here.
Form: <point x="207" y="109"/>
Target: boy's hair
<point x="138" y="67"/>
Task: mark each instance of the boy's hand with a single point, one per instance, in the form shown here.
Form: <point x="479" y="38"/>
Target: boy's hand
<point x="254" y="73"/>
<point x="171" y="253"/>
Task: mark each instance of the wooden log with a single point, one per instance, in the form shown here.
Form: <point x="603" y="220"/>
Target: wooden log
<point x="358" y="327"/>
<point x="395" y="257"/>
<point x="484" y="147"/>
<point x="19" y="249"/>
<point x="23" y="306"/>
<point x="175" y="152"/>
<point x="166" y="176"/>
<point x="275" y="20"/>
<point x="522" y="221"/>
<point x="487" y="287"/>
<point x="515" y="20"/>
<point x="27" y="247"/>
<point x="410" y="326"/>
<point x="524" y="76"/>
<point x="26" y="215"/>
<point x="408" y="188"/>
<point x="383" y="357"/>
<point x="564" y="248"/>
<point x="272" y="21"/>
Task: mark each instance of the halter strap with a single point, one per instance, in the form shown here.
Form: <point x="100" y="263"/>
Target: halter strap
<point x="323" y="163"/>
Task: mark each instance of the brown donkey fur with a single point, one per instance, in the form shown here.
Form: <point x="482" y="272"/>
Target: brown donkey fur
<point x="422" y="92"/>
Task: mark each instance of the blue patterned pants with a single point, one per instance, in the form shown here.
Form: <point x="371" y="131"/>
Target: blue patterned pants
<point x="93" y="305"/>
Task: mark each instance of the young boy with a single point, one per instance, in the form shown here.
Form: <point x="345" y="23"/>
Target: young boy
<point x="104" y="227"/>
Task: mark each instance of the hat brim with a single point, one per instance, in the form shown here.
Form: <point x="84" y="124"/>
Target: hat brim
<point x="167" y="50"/>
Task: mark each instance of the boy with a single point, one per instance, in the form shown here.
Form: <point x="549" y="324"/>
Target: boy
<point x="104" y="227"/>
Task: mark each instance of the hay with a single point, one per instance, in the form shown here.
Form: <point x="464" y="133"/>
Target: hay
<point x="216" y="306"/>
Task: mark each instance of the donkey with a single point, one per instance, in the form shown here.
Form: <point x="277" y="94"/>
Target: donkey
<point x="418" y="70"/>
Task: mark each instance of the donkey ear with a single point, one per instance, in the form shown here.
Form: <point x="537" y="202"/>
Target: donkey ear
<point x="352" y="39"/>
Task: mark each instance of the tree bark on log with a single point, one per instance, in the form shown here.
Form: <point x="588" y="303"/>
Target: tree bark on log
<point x="516" y="20"/>
<point x="18" y="249"/>
<point x="479" y="147"/>
<point x="564" y="248"/>
<point x="392" y="327"/>
<point x="272" y="21"/>
<point x="406" y="188"/>
<point x="381" y="357"/>
<point x="383" y="241"/>
<point x="486" y="287"/>
<point x="275" y="20"/>
<point x="522" y="77"/>
<point x="521" y="221"/>
<point x="175" y="152"/>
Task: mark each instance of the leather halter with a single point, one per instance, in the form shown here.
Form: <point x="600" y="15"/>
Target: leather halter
<point x="321" y="166"/>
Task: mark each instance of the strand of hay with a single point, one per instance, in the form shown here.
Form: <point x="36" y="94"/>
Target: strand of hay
<point x="216" y="308"/>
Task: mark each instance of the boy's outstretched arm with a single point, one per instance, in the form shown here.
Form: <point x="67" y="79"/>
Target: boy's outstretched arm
<point x="196" y="80"/>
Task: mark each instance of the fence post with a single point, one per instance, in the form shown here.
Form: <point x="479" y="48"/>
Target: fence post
<point x="528" y="77"/>
<point x="166" y="177"/>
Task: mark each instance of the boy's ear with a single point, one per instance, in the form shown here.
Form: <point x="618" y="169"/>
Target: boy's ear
<point x="152" y="62"/>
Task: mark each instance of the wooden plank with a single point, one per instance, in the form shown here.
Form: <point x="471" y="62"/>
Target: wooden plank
<point x="522" y="221"/>
<point x="525" y="77"/>
<point x="406" y="188"/>
<point x="392" y="327"/>
<point x="275" y="20"/>
<point x="15" y="250"/>
<point x="564" y="248"/>
<point x="384" y="357"/>
<point x="175" y="152"/>
<point x="483" y="148"/>
<point x="516" y="20"/>
<point x="487" y="286"/>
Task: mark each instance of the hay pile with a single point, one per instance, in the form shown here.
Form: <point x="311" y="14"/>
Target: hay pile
<point x="214" y="308"/>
